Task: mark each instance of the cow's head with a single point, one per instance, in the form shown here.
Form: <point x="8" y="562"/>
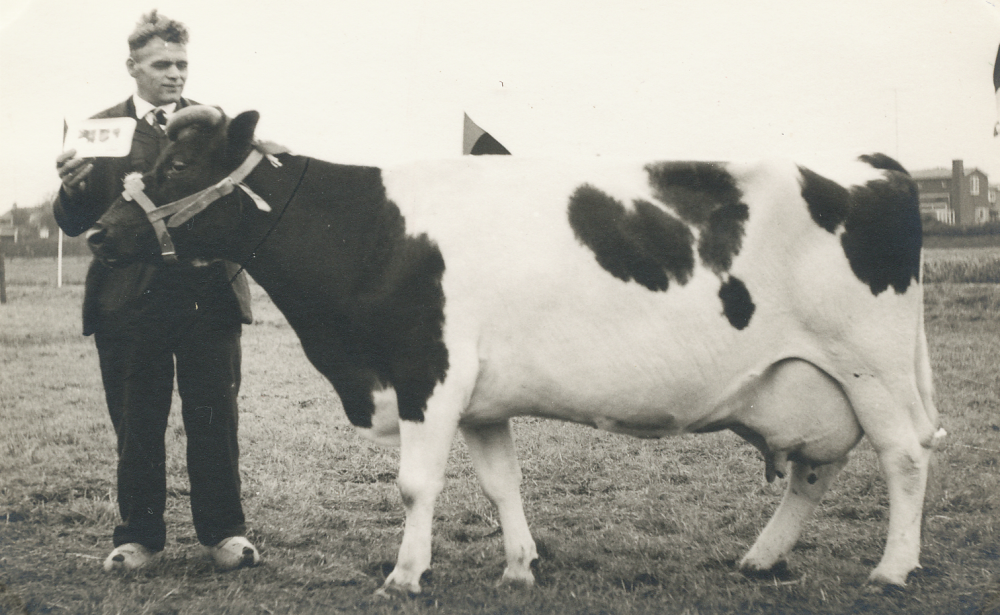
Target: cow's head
<point x="205" y="148"/>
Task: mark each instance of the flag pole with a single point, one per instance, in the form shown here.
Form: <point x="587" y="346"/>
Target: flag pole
<point x="59" y="268"/>
<point x="59" y="255"/>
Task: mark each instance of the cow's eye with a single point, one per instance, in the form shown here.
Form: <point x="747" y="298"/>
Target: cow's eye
<point x="177" y="166"/>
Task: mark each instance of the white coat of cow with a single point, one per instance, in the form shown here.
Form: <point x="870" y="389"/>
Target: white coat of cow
<point x="647" y="299"/>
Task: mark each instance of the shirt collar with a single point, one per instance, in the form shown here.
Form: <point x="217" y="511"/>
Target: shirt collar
<point x="143" y="107"/>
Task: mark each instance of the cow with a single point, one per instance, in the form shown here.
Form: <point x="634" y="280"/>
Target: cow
<point x="650" y="299"/>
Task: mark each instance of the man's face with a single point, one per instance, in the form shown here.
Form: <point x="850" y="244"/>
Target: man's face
<point x="160" y="70"/>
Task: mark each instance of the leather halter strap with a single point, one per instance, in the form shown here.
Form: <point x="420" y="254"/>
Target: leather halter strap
<point x="180" y="211"/>
<point x="133" y="192"/>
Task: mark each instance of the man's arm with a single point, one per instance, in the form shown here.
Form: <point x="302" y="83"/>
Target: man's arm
<point x="81" y="199"/>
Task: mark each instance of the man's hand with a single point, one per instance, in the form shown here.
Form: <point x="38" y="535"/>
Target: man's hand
<point x="73" y="171"/>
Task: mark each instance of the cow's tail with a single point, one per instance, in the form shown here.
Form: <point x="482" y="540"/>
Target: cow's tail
<point x="925" y="388"/>
<point x="924" y="374"/>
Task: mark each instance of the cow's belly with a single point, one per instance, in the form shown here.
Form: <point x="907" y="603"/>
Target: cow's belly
<point x="650" y="382"/>
<point x="788" y="408"/>
<point x="645" y="400"/>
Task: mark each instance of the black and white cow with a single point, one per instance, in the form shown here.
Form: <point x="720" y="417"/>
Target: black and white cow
<point x="648" y="299"/>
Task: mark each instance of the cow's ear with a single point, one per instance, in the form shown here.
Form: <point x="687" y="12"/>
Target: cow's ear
<point x="241" y="130"/>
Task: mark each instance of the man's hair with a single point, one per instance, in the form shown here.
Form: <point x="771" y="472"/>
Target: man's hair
<point x="152" y="25"/>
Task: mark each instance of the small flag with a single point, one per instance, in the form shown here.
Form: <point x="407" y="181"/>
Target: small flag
<point x="478" y="142"/>
<point x="996" y="88"/>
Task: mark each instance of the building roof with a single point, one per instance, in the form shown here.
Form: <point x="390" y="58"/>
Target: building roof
<point x="941" y="173"/>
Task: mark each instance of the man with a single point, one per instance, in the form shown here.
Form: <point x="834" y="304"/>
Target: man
<point x="144" y="316"/>
<point x="996" y="88"/>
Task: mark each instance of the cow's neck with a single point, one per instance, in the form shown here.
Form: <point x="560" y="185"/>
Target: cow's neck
<point x="338" y="227"/>
<point x="348" y="279"/>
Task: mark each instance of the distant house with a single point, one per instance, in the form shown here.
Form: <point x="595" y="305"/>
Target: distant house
<point x="26" y="224"/>
<point x="957" y="196"/>
<point x="32" y="231"/>
<point x="8" y="230"/>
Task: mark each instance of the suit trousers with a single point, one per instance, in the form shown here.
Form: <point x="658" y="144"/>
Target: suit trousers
<point x="137" y="368"/>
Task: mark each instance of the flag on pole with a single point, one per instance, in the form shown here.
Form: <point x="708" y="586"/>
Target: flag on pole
<point x="478" y="142"/>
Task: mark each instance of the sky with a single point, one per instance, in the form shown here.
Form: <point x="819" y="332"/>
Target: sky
<point x="385" y="81"/>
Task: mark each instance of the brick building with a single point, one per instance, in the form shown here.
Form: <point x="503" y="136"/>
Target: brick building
<point x="957" y="196"/>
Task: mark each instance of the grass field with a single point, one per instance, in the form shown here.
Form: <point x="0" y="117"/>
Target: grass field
<point x="624" y="526"/>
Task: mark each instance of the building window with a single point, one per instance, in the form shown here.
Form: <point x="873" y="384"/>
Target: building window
<point x="974" y="185"/>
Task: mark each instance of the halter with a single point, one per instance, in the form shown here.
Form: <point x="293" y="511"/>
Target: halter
<point x="180" y="211"/>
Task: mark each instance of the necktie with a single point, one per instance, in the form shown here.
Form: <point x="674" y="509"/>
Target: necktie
<point x="158" y="119"/>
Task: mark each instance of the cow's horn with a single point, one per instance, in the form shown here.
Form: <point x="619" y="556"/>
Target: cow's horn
<point x="195" y="114"/>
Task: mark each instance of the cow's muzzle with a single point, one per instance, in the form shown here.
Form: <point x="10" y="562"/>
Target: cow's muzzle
<point x="100" y="246"/>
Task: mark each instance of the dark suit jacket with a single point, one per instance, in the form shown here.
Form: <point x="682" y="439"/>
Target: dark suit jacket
<point x="110" y="294"/>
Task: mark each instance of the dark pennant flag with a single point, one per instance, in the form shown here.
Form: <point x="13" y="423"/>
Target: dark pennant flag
<point x="478" y="142"/>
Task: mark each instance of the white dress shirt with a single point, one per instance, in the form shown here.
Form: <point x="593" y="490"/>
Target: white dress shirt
<point x="144" y="109"/>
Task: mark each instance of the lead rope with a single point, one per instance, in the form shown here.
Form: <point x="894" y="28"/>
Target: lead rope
<point x="281" y="214"/>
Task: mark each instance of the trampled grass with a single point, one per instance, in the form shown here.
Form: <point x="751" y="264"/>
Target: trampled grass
<point x="624" y="525"/>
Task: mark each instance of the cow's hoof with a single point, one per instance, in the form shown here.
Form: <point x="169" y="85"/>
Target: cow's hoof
<point x="128" y="556"/>
<point x="235" y="552"/>
<point x="402" y="584"/>
<point x="394" y="590"/>
<point x="753" y="563"/>
<point x="760" y="559"/>
<point x="777" y="570"/>
<point x="882" y="577"/>
<point x="518" y="578"/>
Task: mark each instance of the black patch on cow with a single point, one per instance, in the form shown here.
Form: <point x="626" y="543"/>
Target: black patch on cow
<point x="883" y="235"/>
<point x="647" y="245"/>
<point x="881" y="220"/>
<point x="363" y="295"/>
<point x="407" y="316"/>
<point x="722" y="237"/>
<point x="694" y="189"/>
<point x="883" y="163"/>
<point x="827" y="200"/>
<point x="736" y="302"/>
<point x="705" y="195"/>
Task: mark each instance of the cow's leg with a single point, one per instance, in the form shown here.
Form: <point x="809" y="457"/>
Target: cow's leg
<point x="423" y="457"/>
<point x="491" y="448"/>
<point x="805" y="489"/>
<point x="905" y="465"/>
<point x="903" y="437"/>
